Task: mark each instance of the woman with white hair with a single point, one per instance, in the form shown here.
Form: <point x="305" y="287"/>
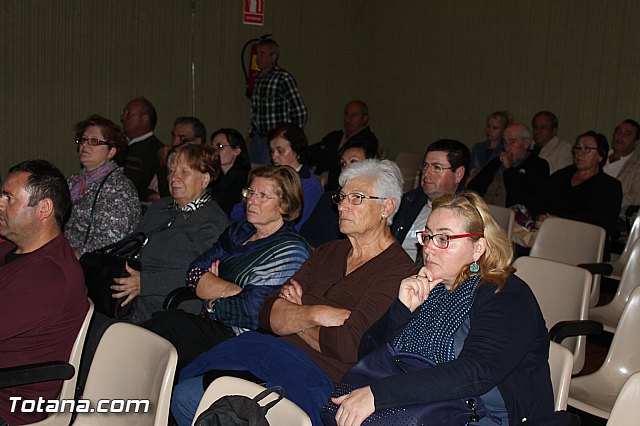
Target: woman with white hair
<point x="320" y="314"/>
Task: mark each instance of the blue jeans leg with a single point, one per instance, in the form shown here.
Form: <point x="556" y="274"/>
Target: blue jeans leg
<point x="185" y="400"/>
<point x="259" y="151"/>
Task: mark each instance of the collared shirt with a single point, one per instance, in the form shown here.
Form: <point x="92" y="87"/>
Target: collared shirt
<point x="140" y="138"/>
<point x="410" y="243"/>
<point x="612" y="169"/>
<point x="276" y="100"/>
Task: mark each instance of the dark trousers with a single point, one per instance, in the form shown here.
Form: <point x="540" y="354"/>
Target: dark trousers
<point x="190" y="334"/>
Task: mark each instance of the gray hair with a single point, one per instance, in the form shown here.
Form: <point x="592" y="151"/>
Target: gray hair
<point x="388" y="180"/>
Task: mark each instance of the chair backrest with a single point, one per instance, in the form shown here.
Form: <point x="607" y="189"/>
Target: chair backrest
<point x="623" y="358"/>
<point x="561" y="365"/>
<point x="630" y="274"/>
<point x="626" y="252"/>
<point x="625" y="410"/>
<point x="569" y="241"/>
<point x="562" y="291"/>
<point x="572" y="242"/>
<point x="409" y="164"/>
<point x="130" y="365"/>
<point x="69" y="386"/>
<point x="504" y="216"/>
<point x="284" y="413"/>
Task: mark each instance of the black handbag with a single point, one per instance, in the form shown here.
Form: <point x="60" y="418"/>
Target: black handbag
<point x="238" y="410"/>
<point x="103" y="265"/>
<point x="386" y="361"/>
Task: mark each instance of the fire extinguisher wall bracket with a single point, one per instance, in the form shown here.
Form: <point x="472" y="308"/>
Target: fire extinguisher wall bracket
<point x="253" y="70"/>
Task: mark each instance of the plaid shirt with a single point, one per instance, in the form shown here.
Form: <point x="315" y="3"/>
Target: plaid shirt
<point x="276" y="100"/>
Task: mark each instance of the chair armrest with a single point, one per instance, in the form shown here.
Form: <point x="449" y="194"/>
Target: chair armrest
<point x="565" y="329"/>
<point x="177" y="296"/>
<point x="598" y="268"/>
<point x="35" y="373"/>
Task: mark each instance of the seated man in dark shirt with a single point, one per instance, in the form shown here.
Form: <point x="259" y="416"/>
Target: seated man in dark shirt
<point x="514" y="176"/>
<point x="325" y="155"/>
<point x="44" y="300"/>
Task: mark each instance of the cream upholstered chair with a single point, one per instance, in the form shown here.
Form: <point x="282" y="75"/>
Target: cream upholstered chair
<point x="625" y="409"/>
<point x="609" y="314"/>
<point x="560" y="364"/>
<point x="562" y="291"/>
<point x="68" y="386"/>
<point x="596" y="393"/>
<point x="504" y="216"/>
<point x="130" y="364"/>
<point x="284" y="413"/>
<point x="571" y="242"/>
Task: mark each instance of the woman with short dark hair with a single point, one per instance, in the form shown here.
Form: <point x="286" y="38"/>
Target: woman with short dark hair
<point x="105" y="202"/>
<point x="582" y="191"/>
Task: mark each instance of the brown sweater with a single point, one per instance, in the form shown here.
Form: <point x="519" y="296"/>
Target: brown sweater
<point x="367" y="292"/>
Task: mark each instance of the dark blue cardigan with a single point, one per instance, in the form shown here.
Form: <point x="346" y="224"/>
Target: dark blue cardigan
<point x="507" y="346"/>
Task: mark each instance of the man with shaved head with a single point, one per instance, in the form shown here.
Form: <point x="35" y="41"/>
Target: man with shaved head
<point x="325" y="155"/>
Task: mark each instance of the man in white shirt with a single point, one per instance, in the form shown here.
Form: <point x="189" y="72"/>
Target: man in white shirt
<point x="623" y="162"/>
<point x="548" y="146"/>
<point x="445" y="167"/>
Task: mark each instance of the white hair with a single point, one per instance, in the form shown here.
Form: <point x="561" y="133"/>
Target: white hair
<point x="386" y="175"/>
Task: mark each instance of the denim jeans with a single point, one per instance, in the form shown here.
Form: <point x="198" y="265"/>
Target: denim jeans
<point x="185" y="400"/>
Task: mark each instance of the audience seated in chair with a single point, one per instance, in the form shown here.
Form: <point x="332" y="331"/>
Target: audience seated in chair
<point x="582" y="191"/>
<point x="465" y="311"/>
<point x="547" y="144"/>
<point x="44" y="300"/>
<point x="178" y="228"/>
<point x="185" y="130"/>
<point x="139" y="118"/>
<point x="234" y="168"/>
<point x="289" y="147"/>
<point x="105" y="202"/>
<point x="483" y="152"/>
<point x="322" y="226"/>
<point x="512" y="177"/>
<point x="321" y="313"/>
<point x="325" y="155"/>
<point x="444" y="171"/>
<point x="623" y="162"/>
<point x="250" y="260"/>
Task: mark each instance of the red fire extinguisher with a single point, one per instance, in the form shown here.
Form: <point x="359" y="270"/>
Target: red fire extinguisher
<point x="254" y="70"/>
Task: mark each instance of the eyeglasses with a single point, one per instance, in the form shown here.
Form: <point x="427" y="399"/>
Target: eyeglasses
<point x="261" y="196"/>
<point x="582" y="148"/>
<point x="220" y="145"/>
<point x="183" y="139"/>
<point x="435" y="167"/>
<point x="90" y="141"/>
<point x="353" y="198"/>
<point x="441" y="240"/>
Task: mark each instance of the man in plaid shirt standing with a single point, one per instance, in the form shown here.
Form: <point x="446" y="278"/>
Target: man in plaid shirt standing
<point x="275" y="100"/>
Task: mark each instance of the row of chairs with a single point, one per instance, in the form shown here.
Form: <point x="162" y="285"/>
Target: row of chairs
<point x="129" y="363"/>
<point x="567" y="295"/>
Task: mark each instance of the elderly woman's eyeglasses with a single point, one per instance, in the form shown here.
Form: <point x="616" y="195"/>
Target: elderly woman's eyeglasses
<point x="90" y="141"/>
<point x="353" y="198"/>
<point x="440" y="240"/>
<point x="260" y="196"/>
<point x="435" y="167"/>
<point x="583" y="149"/>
